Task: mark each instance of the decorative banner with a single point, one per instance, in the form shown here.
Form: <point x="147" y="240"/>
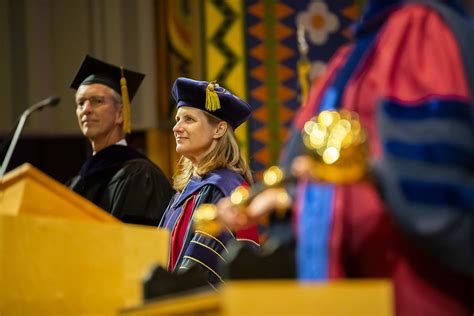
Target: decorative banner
<point x="224" y="51"/>
<point x="180" y="39"/>
<point x="272" y="56"/>
<point x="250" y="47"/>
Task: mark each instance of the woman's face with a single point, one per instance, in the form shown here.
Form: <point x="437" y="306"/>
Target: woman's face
<point x="195" y="136"/>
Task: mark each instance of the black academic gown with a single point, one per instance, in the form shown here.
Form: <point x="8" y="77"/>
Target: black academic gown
<point x="125" y="183"/>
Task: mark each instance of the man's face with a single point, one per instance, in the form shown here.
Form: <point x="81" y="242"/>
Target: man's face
<point x="97" y="111"/>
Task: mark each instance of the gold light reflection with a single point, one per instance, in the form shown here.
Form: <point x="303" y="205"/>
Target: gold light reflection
<point x="205" y="219"/>
<point x="338" y="145"/>
<point x="239" y="195"/>
<point x="272" y="176"/>
<point x="330" y="155"/>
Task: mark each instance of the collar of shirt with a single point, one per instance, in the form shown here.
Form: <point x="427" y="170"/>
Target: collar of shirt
<point x="122" y="142"/>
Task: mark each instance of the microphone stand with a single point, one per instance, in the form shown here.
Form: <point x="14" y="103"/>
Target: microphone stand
<point x="38" y="106"/>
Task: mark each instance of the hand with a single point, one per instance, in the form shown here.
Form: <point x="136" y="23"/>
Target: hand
<point x="232" y="216"/>
<point x="302" y="167"/>
<point x="240" y="217"/>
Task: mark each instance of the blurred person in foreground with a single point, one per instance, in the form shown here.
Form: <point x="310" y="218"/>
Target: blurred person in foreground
<point x="115" y="177"/>
<point x="409" y="76"/>
<point x="211" y="167"/>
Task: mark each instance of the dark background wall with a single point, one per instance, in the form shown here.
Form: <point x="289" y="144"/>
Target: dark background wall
<point x="60" y="157"/>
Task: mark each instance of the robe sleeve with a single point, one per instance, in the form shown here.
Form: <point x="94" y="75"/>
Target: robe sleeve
<point x="426" y="132"/>
<point x="140" y="193"/>
<point x="206" y="251"/>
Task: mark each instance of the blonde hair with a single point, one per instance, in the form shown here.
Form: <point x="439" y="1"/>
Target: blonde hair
<point x="226" y="154"/>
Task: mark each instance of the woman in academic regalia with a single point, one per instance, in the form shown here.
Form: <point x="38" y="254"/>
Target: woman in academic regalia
<point x="211" y="167"/>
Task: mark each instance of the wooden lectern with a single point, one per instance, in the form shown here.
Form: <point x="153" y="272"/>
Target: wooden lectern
<point x="62" y="255"/>
<point x="278" y="298"/>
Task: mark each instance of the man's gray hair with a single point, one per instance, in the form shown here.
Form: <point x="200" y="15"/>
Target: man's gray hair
<point x="116" y="96"/>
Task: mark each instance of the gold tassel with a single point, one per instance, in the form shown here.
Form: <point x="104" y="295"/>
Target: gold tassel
<point x="304" y="68"/>
<point x="127" y="125"/>
<point x="212" y="99"/>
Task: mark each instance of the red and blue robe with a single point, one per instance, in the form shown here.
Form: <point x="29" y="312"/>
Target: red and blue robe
<point x="409" y="75"/>
<point x="189" y="247"/>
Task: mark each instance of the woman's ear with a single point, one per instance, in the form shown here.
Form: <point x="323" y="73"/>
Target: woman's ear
<point x="220" y="130"/>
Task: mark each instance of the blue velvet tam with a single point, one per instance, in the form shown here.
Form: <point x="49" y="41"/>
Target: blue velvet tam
<point x="211" y="98"/>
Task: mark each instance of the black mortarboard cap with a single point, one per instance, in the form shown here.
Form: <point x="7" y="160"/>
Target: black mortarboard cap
<point x="93" y="70"/>
<point x="210" y="97"/>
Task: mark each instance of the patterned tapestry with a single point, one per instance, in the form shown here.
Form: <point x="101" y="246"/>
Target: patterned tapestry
<point x="251" y="48"/>
<point x="179" y="38"/>
<point x="176" y="46"/>
<point x="224" y="51"/>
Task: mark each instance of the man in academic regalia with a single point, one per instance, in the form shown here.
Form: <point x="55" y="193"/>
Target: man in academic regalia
<point x="115" y="177"/>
